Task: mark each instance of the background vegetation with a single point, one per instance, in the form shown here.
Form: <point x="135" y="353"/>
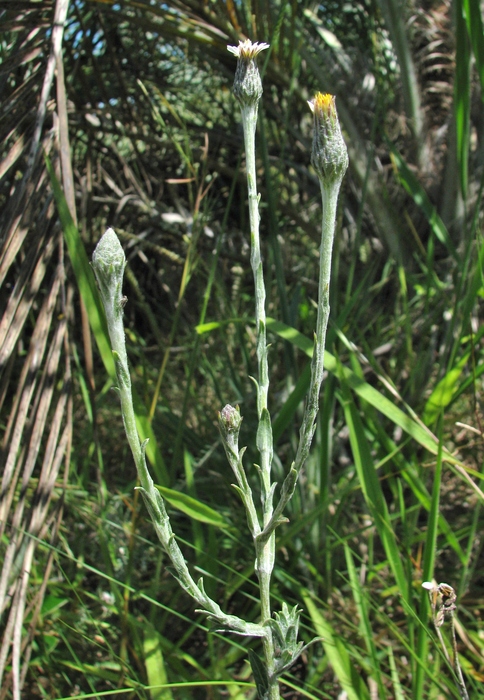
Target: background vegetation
<point x="128" y="106"/>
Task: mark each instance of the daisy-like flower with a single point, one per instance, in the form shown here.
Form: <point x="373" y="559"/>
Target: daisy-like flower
<point x="247" y="83"/>
<point x="329" y="155"/>
<point x="246" y="49"/>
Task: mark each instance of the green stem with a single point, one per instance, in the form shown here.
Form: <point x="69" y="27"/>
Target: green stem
<point x="108" y="263"/>
<point x="329" y="193"/>
<point x="457" y="668"/>
<point x="265" y="550"/>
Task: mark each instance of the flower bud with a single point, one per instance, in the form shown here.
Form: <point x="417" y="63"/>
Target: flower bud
<point x="329" y="156"/>
<point x="108" y="263"/>
<point x="229" y="420"/>
<point x="247" y="83"/>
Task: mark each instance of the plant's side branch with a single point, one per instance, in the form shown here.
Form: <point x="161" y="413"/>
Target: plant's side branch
<point x="108" y="263"/>
<point x="330" y="161"/>
<point x="229" y="423"/>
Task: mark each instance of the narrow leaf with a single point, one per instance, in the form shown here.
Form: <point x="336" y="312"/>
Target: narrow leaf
<point x="192" y="507"/>
<point x="444" y="392"/>
<point x="155" y="665"/>
<point x="388" y="408"/>
<point x="338" y="656"/>
<point x="260" y="675"/>
<point x="420" y="197"/>
<point x="462" y="85"/>
<point x="372" y="491"/>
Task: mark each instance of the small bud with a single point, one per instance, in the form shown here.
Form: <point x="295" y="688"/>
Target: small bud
<point x="229" y="420"/>
<point x="108" y="263"/>
<point x="247" y="83"/>
<point x="329" y="155"/>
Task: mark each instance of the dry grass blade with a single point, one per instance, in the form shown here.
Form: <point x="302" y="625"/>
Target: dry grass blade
<point x="30" y="418"/>
<point x="22" y="403"/>
<point x="34" y="313"/>
<point x="26" y="287"/>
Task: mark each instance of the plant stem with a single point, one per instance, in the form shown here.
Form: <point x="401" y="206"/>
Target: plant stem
<point x="330" y="160"/>
<point x="329" y="193"/>
<point x="265" y="550"/>
<point x="108" y="263"/>
<point x="457" y="668"/>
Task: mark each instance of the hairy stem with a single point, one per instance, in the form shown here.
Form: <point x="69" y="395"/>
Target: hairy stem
<point x="265" y="550"/>
<point x="108" y="263"/>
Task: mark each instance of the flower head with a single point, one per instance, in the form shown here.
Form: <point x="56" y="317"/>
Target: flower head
<point x="329" y="155"/>
<point x="247" y="50"/>
<point x="247" y="83"/>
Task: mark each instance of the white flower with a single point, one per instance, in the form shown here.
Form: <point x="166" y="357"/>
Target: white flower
<point x="247" y="50"/>
<point x="247" y="83"/>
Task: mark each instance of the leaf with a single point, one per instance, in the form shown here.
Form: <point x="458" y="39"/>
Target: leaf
<point x="155" y="664"/>
<point x="52" y="604"/>
<point x="84" y="276"/>
<point x="192" y="507"/>
<point x="376" y="399"/>
<point x="419" y="195"/>
<point x="264" y="433"/>
<point x="372" y="490"/>
<point x="338" y="656"/>
<point x="260" y="675"/>
<point x="462" y="88"/>
<point x="429" y="558"/>
<point x="215" y="325"/>
<point x="364" y="619"/>
<point x="444" y="392"/>
<point x="473" y="18"/>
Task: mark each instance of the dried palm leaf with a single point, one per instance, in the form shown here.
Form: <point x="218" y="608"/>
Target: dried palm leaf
<point x="35" y="310"/>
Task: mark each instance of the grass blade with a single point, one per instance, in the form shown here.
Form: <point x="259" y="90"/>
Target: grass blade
<point x="428" y="570"/>
<point x="372" y="490"/>
<point x="462" y="83"/>
<point x="192" y="507"/>
<point x="339" y="658"/>
<point x="420" y="197"/>
<point x="155" y="665"/>
<point x="376" y="399"/>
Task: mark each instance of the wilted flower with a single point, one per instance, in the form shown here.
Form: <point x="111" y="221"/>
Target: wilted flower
<point x="442" y="599"/>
